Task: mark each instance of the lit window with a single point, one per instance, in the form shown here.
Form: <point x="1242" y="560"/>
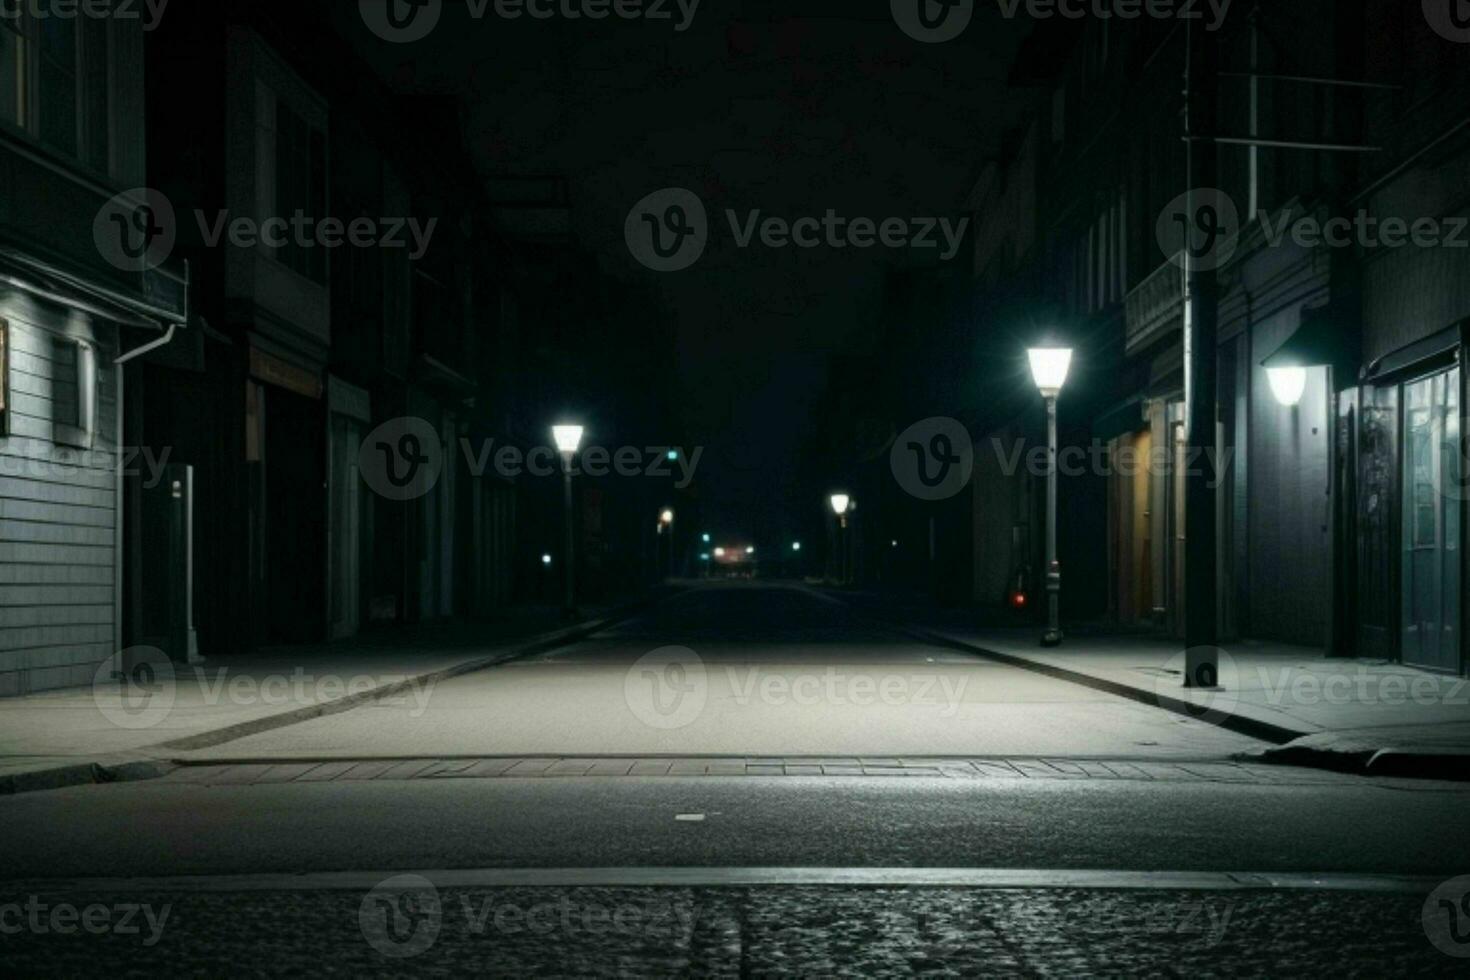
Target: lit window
<point x="73" y="392"/>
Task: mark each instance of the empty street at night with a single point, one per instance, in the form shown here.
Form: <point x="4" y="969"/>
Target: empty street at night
<point x="751" y="488"/>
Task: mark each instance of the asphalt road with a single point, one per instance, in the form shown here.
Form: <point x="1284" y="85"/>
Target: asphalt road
<point x="1152" y="792"/>
<point x="749" y="669"/>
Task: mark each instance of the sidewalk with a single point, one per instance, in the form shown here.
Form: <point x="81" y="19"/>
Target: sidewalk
<point x="1367" y="716"/>
<point x="101" y="732"/>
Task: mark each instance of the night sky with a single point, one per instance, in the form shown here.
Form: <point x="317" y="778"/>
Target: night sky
<point x="787" y="107"/>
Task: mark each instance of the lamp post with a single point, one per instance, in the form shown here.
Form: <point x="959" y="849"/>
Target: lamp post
<point x="666" y="523"/>
<point x="1049" y="367"/>
<point x="840" y="503"/>
<point x="568" y="438"/>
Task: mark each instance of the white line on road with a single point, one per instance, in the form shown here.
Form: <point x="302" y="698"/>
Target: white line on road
<point x="693" y="877"/>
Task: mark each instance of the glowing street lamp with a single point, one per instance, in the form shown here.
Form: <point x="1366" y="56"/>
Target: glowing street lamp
<point x="568" y="438"/>
<point x="1288" y="384"/>
<point x="841" y="504"/>
<point x="796" y="546"/>
<point x="1049" y="366"/>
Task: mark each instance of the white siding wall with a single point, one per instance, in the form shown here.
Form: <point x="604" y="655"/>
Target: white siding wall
<point x="57" y="513"/>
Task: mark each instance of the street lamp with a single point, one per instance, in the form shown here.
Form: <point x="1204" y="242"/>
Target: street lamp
<point x="1288" y="384"/>
<point x="796" y="546"/>
<point x="841" y="504"/>
<point x="568" y="438"/>
<point x="1049" y="367"/>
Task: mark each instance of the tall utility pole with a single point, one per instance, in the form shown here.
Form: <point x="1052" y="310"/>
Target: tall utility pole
<point x="1201" y="328"/>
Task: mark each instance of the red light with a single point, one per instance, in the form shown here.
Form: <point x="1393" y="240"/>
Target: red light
<point x="1018" y="599"/>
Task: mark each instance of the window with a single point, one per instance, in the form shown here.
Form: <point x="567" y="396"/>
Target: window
<point x="14" y="65"/>
<point x="301" y="186"/>
<point x="54" y="83"/>
<point x="96" y="104"/>
<point x="58" y="84"/>
<point x="73" y="392"/>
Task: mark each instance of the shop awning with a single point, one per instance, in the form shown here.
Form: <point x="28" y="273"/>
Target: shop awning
<point x="156" y="298"/>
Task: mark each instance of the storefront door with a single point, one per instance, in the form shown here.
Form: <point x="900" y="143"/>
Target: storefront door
<point x="1430" y="619"/>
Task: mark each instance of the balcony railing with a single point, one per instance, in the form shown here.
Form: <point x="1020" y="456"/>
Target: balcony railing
<point x="1155" y="307"/>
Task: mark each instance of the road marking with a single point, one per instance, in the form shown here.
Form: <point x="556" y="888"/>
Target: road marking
<point x="694" y="877"/>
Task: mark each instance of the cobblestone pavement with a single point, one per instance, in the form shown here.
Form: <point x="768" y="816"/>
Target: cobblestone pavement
<point x="774" y="931"/>
<point x="348" y="770"/>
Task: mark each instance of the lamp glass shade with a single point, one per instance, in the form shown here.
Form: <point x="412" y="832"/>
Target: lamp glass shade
<point x="1049" y="366"/>
<point x="1288" y="384"/>
<point x="839" y="503"/>
<point x="568" y="437"/>
<point x="667" y="516"/>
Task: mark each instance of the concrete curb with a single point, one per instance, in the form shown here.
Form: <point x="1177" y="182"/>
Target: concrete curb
<point x="109" y="770"/>
<point x="1443" y="764"/>
<point x="1252" y="727"/>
